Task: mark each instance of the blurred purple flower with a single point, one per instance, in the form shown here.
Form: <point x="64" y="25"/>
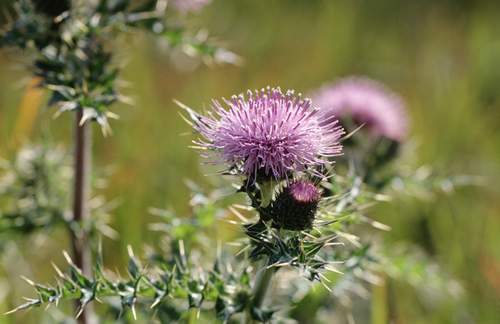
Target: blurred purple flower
<point x="365" y="101"/>
<point x="269" y="133"/>
<point x="185" y="6"/>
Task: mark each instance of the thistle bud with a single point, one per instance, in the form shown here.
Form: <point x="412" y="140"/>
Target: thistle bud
<point x="295" y="206"/>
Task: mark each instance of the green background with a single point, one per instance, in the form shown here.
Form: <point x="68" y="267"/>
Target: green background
<point x="443" y="57"/>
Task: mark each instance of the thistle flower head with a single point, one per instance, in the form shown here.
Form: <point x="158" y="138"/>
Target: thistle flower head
<point x="186" y="6"/>
<point x="367" y="102"/>
<point x="269" y="133"/>
<point x="295" y="206"/>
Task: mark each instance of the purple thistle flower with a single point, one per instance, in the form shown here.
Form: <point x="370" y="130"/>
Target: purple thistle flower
<point x="269" y="133"/>
<point x="186" y="6"/>
<point x="365" y="101"/>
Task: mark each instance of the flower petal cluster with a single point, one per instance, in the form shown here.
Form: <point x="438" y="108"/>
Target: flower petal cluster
<point x="269" y="133"/>
<point x="365" y="101"/>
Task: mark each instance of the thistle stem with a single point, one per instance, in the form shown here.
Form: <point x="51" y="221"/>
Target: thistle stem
<point x="260" y="288"/>
<point x="81" y="192"/>
<point x="261" y="285"/>
<point x="265" y="274"/>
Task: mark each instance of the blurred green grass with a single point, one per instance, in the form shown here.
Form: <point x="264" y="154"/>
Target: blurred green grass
<point x="441" y="56"/>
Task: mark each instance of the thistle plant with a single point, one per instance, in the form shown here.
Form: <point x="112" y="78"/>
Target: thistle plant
<point x="302" y="175"/>
<point x="282" y="148"/>
<point x="298" y="219"/>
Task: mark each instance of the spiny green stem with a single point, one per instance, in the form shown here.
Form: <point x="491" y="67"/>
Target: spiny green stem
<point x="262" y="282"/>
<point x="261" y="285"/>
<point x="81" y="192"/>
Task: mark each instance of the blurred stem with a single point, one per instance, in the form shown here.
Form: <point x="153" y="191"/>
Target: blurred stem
<point x="379" y="302"/>
<point x="261" y="284"/>
<point x="81" y="192"/>
<point x="260" y="288"/>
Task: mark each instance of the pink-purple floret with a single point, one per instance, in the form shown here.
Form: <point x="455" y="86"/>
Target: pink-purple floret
<point x="304" y="191"/>
<point x="365" y="101"/>
<point x="270" y="131"/>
